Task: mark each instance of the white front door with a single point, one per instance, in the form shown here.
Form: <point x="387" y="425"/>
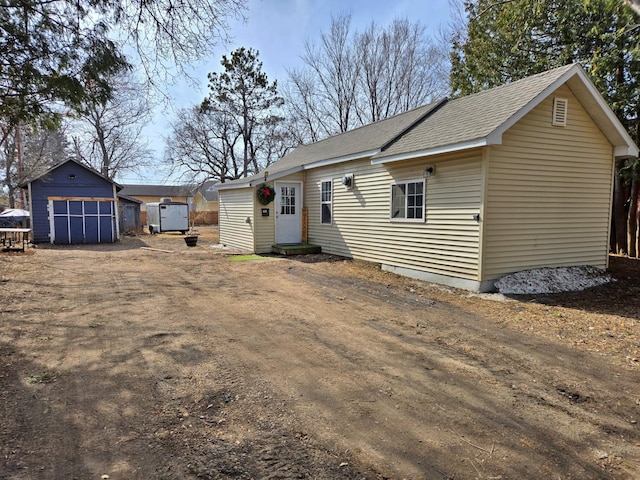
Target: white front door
<point x="288" y="212"/>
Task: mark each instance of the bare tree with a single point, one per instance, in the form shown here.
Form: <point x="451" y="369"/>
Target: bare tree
<point x="27" y="153"/>
<point x="325" y="91"/>
<point x="58" y="52"/>
<point x="308" y="122"/>
<point x="108" y="136"/>
<point x="401" y="69"/>
<point x="169" y="35"/>
<point x="207" y="144"/>
<point x="353" y="79"/>
<point x="204" y="144"/>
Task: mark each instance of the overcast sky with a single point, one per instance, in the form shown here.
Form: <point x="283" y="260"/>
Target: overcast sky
<point x="278" y="29"/>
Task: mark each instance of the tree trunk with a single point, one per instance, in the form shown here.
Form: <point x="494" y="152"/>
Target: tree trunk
<point x="619" y="216"/>
<point x="632" y="219"/>
<point x="637" y="235"/>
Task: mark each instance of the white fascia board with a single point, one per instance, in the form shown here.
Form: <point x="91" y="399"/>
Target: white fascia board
<point x="233" y="186"/>
<point x="625" y="152"/>
<point x="290" y="171"/>
<point x="276" y="176"/>
<point x="454" y="147"/>
<point x="346" y="158"/>
<point x="606" y="114"/>
<point x="256" y="181"/>
<point x="629" y="146"/>
<point x="320" y="163"/>
<point x="495" y="137"/>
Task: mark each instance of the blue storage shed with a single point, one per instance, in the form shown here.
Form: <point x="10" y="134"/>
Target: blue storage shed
<point x="72" y="203"/>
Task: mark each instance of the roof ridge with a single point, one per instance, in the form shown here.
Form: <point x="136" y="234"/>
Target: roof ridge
<point x="416" y="122"/>
<point x="372" y="124"/>
<point x="554" y="71"/>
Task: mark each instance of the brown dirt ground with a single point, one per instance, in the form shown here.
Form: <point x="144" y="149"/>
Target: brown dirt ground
<point x="127" y="363"/>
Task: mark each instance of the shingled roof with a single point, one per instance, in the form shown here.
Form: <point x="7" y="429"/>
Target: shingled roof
<point x="158" y="190"/>
<point x="470" y="119"/>
<point x="362" y="142"/>
<point x="452" y="125"/>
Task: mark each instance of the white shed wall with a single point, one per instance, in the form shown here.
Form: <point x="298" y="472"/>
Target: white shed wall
<point x="235" y="207"/>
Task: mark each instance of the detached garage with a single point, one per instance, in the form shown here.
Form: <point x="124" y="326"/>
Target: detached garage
<point x="73" y="204"/>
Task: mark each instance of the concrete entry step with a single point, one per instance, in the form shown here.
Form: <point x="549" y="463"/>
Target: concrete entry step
<point x="296" y="249"/>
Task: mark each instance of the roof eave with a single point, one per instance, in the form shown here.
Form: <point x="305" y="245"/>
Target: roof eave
<point x="233" y="186"/>
<point x="601" y="113"/>
<point x="254" y="181"/>
<point x="291" y="171"/>
<point x="624" y="152"/>
<point x="454" y="147"/>
<point x="345" y="158"/>
<point x="587" y="94"/>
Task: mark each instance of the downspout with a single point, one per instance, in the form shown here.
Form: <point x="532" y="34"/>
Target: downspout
<point x="611" y="207"/>
<point x="30" y="210"/>
<point x="116" y="204"/>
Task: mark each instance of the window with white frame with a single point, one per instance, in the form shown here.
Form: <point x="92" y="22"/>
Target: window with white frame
<point x="407" y="201"/>
<point x="326" y="202"/>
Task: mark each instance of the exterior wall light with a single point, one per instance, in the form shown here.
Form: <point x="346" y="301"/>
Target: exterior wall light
<point x="348" y="181"/>
<point x="429" y="171"/>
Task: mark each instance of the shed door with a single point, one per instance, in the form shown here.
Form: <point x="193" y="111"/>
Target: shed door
<point x="288" y="213"/>
<point x="82" y="221"/>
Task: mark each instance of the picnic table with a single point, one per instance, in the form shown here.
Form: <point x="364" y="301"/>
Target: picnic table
<point x="14" y="238"/>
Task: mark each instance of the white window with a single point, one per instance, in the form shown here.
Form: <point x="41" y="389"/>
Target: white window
<point x="287" y="200"/>
<point x="326" y="202"/>
<point x="407" y="201"/>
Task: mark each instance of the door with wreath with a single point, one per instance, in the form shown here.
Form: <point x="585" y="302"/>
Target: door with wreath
<point x="288" y="212"/>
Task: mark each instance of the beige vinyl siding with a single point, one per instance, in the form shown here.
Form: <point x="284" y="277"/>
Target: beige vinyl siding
<point x="235" y="206"/>
<point x="548" y="193"/>
<point x="264" y="226"/>
<point x="446" y="243"/>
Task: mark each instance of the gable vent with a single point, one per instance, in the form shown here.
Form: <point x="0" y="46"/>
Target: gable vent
<point x="560" y="108"/>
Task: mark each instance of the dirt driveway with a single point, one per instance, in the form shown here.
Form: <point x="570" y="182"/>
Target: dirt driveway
<point x="127" y="363"/>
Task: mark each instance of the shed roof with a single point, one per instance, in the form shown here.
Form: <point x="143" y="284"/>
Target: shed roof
<point x="64" y="162"/>
<point x="451" y="125"/>
<point x="128" y="199"/>
<point x="208" y="190"/>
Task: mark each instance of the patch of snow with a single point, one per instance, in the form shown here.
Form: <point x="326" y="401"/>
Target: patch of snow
<point x="552" y="280"/>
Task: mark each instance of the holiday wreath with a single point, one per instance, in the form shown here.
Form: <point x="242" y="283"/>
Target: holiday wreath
<point x="266" y="194"/>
